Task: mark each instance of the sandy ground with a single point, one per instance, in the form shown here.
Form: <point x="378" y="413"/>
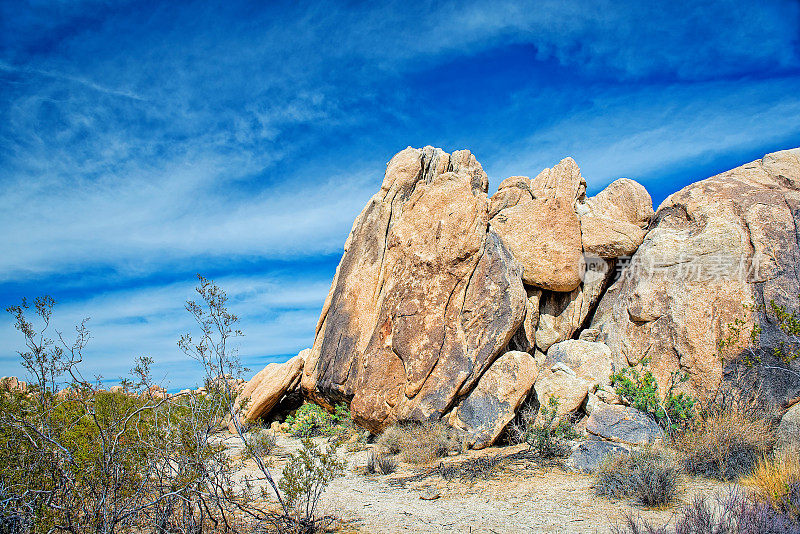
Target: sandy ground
<point x="520" y="496"/>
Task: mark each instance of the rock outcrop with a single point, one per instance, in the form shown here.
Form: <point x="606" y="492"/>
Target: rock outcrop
<point x="424" y="300"/>
<point x="263" y="392"/>
<point x="623" y="424"/>
<point x="541" y="229"/>
<point x="717" y="252"/>
<point x="450" y="305"/>
<point x="789" y="428"/>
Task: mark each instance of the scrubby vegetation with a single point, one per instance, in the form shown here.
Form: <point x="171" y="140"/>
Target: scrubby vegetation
<point x="640" y="390"/>
<point x="726" y="437"/>
<point x="419" y="443"/>
<point x="88" y="460"/>
<point x="651" y="476"/>
<point x="312" y="420"/>
<point x="738" y="513"/>
<point x="546" y="433"/>
<point x="774" y="476"/>
<point x="381" y="463"/>
<point x="304" y="479"/>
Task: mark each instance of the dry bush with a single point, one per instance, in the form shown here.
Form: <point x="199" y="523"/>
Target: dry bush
<point x="652" y="476"/>
<point x="420" y="443"/>
<point x="727" y="437"/>
<point x="772" y="476"/>
<point x="381" y="463"/>
<point x="262" y="441"/>
<point x="736" y="513"/>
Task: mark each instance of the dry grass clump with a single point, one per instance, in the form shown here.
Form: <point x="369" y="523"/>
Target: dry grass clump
<point x="381" y="463"/>
<point x="773" y="476"/>
<point x="652" y="476"/>
<point x="419" y="443"/>
<point x="726" y="438"/>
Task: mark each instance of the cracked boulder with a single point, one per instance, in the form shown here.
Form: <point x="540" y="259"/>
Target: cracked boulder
<point x="614" y="222"/>
<point x="265" y="390"/>
<point x="591" y="361"/>
<point x="425" y="297"/>
<point x="718" y="251"/>
<point x="486" y="411"/>
<point x="623" y="424"/>
<point x="561" y="314"/>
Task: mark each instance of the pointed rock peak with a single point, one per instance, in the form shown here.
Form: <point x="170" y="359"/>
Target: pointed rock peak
<point x="562" y="181"/>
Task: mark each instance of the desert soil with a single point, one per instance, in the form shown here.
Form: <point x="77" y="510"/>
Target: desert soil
<point x="520" y="495"/>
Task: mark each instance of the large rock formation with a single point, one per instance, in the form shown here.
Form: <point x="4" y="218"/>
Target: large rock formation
<point x="540" y="227"/>
<point x="425" y="298"/>
<point x="437" y="281"/>
<point x="717" y="253"/>
<point x="446" y="303"/>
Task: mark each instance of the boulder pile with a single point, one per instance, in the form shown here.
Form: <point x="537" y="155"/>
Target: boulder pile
<point x="452" y="305"/>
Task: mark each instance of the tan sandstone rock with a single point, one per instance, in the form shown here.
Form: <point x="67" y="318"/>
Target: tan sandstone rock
<point x="269" y="385"/>
<point x="561" y="381"/>
<point x="425" y="298"/>
<point x="614" y="222"/>
<point x="716" y="248"/>
<point x="562" y="314"/>
<point x="543" y="232"/>
<point x="486" y="411"/>
<point x="591" y="361"/>
<point x="12" y="383"/>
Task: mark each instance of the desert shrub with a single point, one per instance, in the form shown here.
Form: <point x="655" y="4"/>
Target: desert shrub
<point x="381" y="463"/>
<point x="312" y="420"/>
<point x="651" y="476"/>
<point x="420" y="443"/>
<point x="467" y="471"/>
<point x="738" y="513"/>
<point x="305" y="477"/>
<point x="726" y="437"/>
<point x="96" y="461"/>
<point x="640" y="390"/>
<point x="773" y="477"/>
<point x="261" y="441"/>
<point x="550" y="436"/>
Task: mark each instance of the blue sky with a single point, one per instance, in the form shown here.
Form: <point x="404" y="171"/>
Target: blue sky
<point x="141" y="143"/>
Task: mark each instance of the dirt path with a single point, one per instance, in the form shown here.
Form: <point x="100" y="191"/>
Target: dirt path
<point x="519" y="496"/>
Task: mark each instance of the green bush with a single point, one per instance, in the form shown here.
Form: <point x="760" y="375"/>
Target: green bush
<point x="549" y="437"/>
<point x="261" y="442"/>
<point x="640" y="390"/>
<point x="312" y="420"/>
<point x="305" y="477"/>
<point x="650" y="476"/>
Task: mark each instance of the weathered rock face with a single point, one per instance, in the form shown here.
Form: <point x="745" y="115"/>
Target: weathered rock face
<point x="591" y="361"/>
<point x="624" y="424"/>
<point x="541" y="229"/>
<point x="614" y="222"/>
<point x="715" y="249"/>
<point x="590" y="453"/>
<point x="486" y="411"/>
<point x="562" y="314"/>
<point x="269" y="385"/>
<point x="789" y="429"/>
<point x="566" y="243"/>
<point x="425" y="297"/>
